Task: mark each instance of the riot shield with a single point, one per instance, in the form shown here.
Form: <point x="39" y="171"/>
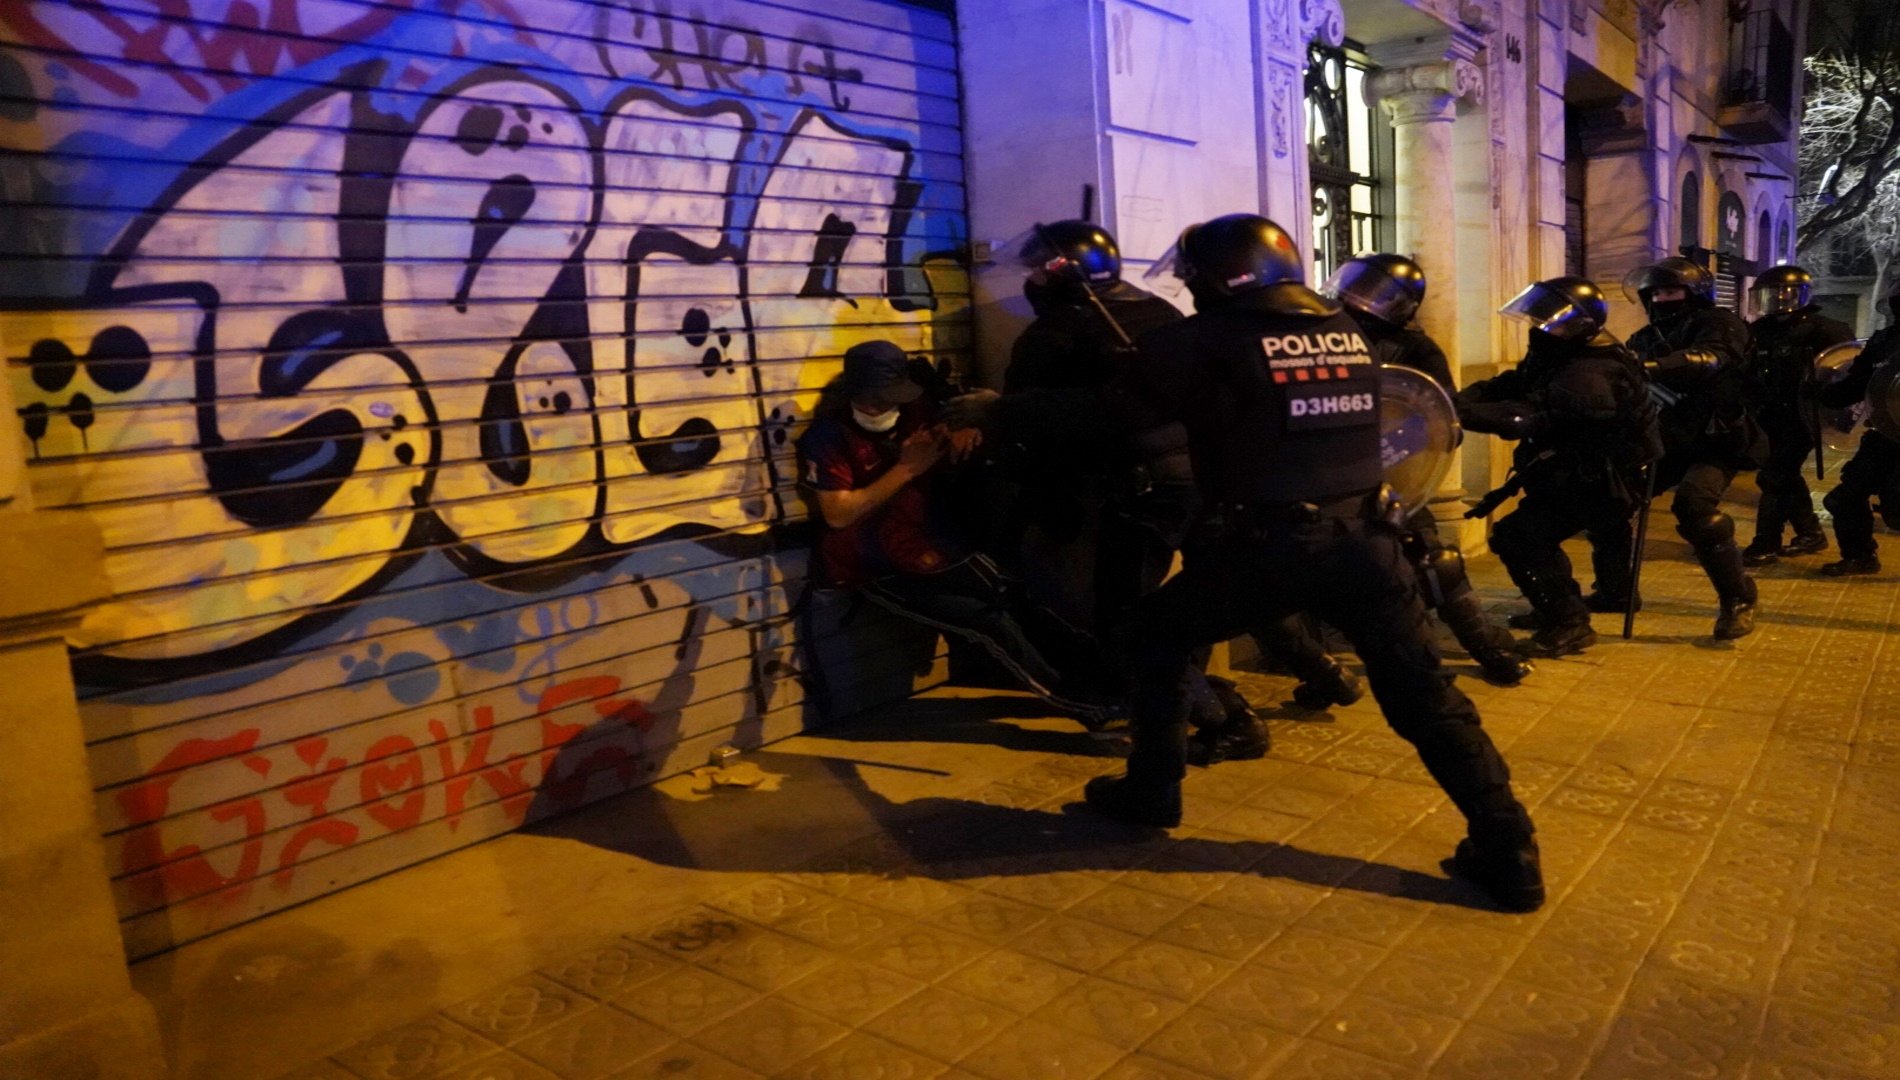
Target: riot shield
<point x="1883" y="401"/>
<point x="1839" y="429"/>
<point x="1418" y="433"/>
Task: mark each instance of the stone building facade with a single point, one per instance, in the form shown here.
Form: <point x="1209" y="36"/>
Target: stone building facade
<point x="1496" y="141"/>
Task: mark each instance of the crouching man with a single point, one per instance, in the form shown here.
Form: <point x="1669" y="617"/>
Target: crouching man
<point x="872" y="460"/>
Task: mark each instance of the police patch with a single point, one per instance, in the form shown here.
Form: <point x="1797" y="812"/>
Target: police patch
<point x="1320" y="406"/>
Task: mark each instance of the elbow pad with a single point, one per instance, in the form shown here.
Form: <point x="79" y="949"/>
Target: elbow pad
<point x="1505" y="419"/>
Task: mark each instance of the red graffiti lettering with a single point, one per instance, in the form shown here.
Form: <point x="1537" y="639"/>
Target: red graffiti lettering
<point x="340" y="834"/>
<point x="403" y="774"/>
<point x="504" y="780"/>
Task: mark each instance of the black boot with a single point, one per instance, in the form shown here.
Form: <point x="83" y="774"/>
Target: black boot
<point x="1607" y="603"/>
<point x="1806" y="543"/>
<point x="1238" y="736"/>
<point x="1327" y="685"/>
<point x="1527" y="620"/>
<point x="1763" y="551"/>
<point x="1851" y="565"/>
<point x="1562" y="639"/>
<point x="1491" y="646"/>
<point x="1733" y="587"/>
<point x="1511" y="875"/>
<point x="1149" y="804"/>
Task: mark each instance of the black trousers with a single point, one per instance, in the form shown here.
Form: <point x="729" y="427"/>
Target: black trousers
<point x="1785" y="497"/>
<point x="1353" y="574"/>
<point x="973" y="601"/>
<point x="1529" y="541"/>
<point x="1873" y="472"/>
<point x="1699" y="480"/>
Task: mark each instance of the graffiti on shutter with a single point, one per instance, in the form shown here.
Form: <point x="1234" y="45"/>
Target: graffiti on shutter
<point x="430" y="371"/>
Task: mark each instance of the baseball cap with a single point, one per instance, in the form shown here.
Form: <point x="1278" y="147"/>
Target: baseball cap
<point x="880" y="370"/>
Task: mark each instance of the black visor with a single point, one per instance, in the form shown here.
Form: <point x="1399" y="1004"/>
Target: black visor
<point x="1551" y="311"/>
<point x="1366" y="287"/>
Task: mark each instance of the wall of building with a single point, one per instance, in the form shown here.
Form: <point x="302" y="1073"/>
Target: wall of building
<point x="430" y="367"/>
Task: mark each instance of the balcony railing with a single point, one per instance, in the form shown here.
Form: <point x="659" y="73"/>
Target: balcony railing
<point x="1758" y="85"/>
<point x="1760" y="62"/>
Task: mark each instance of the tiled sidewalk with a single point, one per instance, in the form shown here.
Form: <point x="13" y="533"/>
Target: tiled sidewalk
<point x="1720" y="826"/>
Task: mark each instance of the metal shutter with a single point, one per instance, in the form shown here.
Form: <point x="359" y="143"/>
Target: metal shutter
<point x="431" y="369"/>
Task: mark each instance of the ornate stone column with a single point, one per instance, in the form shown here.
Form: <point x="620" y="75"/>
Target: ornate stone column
<point x="67" y="1007"/>
<point x="1422" y="101"/>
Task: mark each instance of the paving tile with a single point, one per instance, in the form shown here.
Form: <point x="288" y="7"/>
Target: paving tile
<point x="1228" y="934"/>
<point x="1121" y="1015"/>
<point x="1031" y="1048"/>
<point x="1479" y="1052"/>
<point x="509" y="1013"/>
<point x="985" y="917"/>
<point x="1709" y="1007"/>
<point x="1143" y="1067"/>
<point x="606" y="970"/>
<point x="685" y="1061"/>
<point x="940" y="1023"/>
<point x="1219" y="1044"/>
<point x="765" y="959"/>
<point x="319" y="1070"/>
<point x="864" y="1057"/>
<point x="770" y="1034"/>
<point x="1275" y="998"/>
<point x="696" y="934"/>
<point x="770" y="900"/>
<point x="1160" y="968"/>
<point x="1136" y="911"/>
<point x="1379" y="1029"/>
<point x="850" y="992"/>
<point x="1318" y="1061"/>
<point x="838" y="924"/>
<point x="922" y="952"/>
<point x="502" y="1066"/>
<point x="1173" y="876"/>
<point x="1277" y="900"/>
<point x="687" y="1000"/>
<point x="1423" y="984"/>
<point x="1076" y="943"/>
<point x="1319" y="956"/>
<point x="593" y="1044"/>
<point x="1051" y="892"/>
<point x="1641" y="1047"/>
<point x="1551" y="1017"/>
<point x="413" y="1050"/>
<point x="1014" y="980"/>
<point x="1376" y="922"/>
<point x="1829" y="1039"/>
<point x="911" y="896"/>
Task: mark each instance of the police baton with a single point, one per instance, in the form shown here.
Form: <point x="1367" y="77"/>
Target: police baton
<point x="1814" y="421"/>
<point x="1636" y="551"/>
<point x="1102" y="309"/>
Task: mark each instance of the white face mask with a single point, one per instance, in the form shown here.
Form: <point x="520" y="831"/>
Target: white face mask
<point x="877" y="424"/>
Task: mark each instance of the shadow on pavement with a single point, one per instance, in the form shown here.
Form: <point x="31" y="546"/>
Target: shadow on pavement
<point x="821" y="815"/>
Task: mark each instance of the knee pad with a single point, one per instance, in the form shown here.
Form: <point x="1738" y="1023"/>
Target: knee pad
<point x="1841" y="501"/>
<point x="1508" y="539"/>
<point x="1706" y="528"/>
<point x="1442" y="573"/>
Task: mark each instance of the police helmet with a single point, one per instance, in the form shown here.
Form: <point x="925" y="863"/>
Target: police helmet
<point x="1237" y="254"/>
<point x="1071" y="251"/>
<point x="1387" y="287"/>
<point x="1782" y="289"/>
<point x="1571" y="308"/>
<point x="1676" y="272"/>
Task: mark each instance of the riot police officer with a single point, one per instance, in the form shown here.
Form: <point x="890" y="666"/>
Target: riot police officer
<point x="1874" y="470"/>
<point x="1579" y="407"/>
<point x="1075" y="465"/>
<point x="1695" y="354"/>
<point x="1382" y="293"/>
<point x="1788" y="334"/>
<point x="1280" y="399"/>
